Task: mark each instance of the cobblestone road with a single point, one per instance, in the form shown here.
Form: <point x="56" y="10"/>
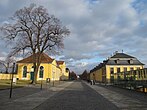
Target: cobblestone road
<point x="77" y="96"/>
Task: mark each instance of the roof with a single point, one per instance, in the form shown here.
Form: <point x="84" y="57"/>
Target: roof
<point x="60" y="62"/>
<point x="124" y="62"/>
<point x="44" y="59"/>
<point x="123" y="59"/>
<point x="118" y="59"/>
<point x="122" y="55"/>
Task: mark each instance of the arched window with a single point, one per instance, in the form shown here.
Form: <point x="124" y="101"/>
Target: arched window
<point x="32" y="69"/>
<point x="25" y="71"/>
<point x="41" y="72"/>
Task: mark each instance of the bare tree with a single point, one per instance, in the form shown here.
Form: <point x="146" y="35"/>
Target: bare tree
<point x="34" y="30"/>
<point x="84" y="75"/>
<point x="7" y="63"/>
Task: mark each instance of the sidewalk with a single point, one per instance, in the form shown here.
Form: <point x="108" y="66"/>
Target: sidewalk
<point x="121" y="101"/>
<point x="31" y="101"/>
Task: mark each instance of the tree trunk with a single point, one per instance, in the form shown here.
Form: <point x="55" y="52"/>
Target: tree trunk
<point x="36" y="73"/>
<point x="37" y="62"/>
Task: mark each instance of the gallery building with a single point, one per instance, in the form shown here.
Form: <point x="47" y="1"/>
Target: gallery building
<point x="119" y="62"/>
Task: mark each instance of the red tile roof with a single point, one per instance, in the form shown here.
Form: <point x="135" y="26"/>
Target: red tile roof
<point x="60" y="62"/>
<point x="44" y="59"/>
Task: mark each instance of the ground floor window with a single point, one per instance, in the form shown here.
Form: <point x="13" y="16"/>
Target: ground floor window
<point x="41" y="72"/>
<point x="125" y="69"/>
<point x="118" y="70"/>
<point x="131" y="68"/>
<point x="25" y="71"/>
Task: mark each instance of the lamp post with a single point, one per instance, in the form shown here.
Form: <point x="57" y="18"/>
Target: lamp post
<point x="41" y="75"/>
<point x="53" y="79"/>
<point x="12" y="80"/>
<point x="41" y="83"/>
<point x="112" y="78"/>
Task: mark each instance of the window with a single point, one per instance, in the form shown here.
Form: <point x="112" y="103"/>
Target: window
<point x="125" y="69"/>
<point x="144" y="73"/>
<point x="138" y="68"/>
<point x="111" y="70"/>
<point x="41" y="72"/>
<point x="131" y="61"/>
<point x="25" y="71"/>
<point x="131" y="68"/>
<point x="117" y="61"/>
<point x="139" y="75"/>
<point x="118" y="70"/>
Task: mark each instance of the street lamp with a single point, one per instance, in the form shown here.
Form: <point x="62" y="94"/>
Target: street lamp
<point x="41" y="75"/>
<point x="41" y="83"/>
<point x="12" y="80"/>
<point x="53" y="78"/>
<point x="112" y="78"/>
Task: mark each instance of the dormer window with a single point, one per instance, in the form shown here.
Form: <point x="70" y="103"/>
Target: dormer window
<point x="117" y="61"/>
<point x="131" y="61"/>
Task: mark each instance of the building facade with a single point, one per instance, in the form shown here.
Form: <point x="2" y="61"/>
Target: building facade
<point x="120" y="62"/>
<point x="49" y="68"/>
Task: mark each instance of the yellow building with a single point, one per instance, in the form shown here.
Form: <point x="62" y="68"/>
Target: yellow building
<point x="49" y="68"/>
<point x="120" y="62"/>
<point x="64" y="74"/>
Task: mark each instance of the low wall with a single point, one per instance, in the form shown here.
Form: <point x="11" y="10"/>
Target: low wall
<point x="7" y="76"/>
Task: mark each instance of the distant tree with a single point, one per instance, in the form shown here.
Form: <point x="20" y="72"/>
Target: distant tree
<point x="72" y="75"/>
<point x="84" y="75"/>
<point x="33" y="31"/>
<point x="7" y="63"/>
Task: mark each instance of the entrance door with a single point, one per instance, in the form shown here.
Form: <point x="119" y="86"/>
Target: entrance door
<point x="32" y="76"/>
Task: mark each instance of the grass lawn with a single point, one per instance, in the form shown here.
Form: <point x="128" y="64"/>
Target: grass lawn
<point x="4" y="84"/>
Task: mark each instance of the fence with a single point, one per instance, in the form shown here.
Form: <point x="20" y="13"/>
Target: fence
<point x="135" y="79"/>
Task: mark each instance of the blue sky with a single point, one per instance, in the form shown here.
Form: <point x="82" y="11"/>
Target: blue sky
<point x="98" y="28"/>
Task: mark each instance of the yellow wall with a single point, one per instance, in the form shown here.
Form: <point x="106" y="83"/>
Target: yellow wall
<point x="63" y="67"/>
<point x="54" y="71"/>
<point x="64" y="74"/>
<point x="91" y="76"/>
<point x="6" y="76"/>
<point x="97" y="75"/>
<point x="20" y="70"/>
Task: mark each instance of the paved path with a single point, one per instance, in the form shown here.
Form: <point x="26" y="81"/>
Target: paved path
<point x="77" y="96"/>
<point x="16" y="93"/>
<point x="122" y="100"/>
<point x="28" y="98"/>
<point x="129" y="93"/>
